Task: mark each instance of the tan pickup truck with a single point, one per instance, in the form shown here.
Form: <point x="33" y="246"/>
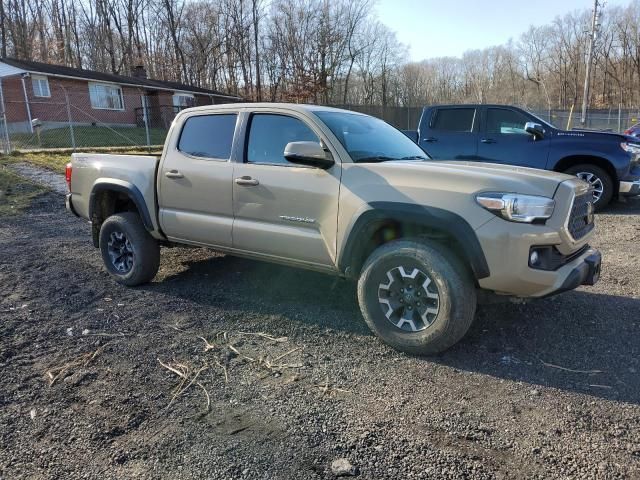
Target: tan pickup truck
<point x="346" y="194"/>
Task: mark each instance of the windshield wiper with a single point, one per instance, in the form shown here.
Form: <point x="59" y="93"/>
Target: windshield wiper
<point x="415" y="157"/>
<point x="375" y="159"/>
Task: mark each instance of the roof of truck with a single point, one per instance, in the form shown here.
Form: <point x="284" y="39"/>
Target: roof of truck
<point x="304" y="107"/>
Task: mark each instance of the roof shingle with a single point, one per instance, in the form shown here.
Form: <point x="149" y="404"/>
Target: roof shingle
<point x="50" y="69"/>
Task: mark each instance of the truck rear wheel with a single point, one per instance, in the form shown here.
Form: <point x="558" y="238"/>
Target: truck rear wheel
<point x="130" y="254"/>
<point x="599" y="180"/>
<point x="416" y="296"/>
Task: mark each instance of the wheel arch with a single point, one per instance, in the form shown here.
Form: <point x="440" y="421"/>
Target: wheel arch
<point x="387" y="221"/>
<point x="572" y="160"/>
<point x="113" y="196"/>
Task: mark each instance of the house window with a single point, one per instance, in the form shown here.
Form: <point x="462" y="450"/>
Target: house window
<point x="183" y="100"/>
<point x="40" y="86"/>
<point x="106" y="97"/>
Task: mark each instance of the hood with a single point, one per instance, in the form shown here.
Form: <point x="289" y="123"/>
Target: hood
<point x="595" y="135"/>
<point x="469" y="177"/>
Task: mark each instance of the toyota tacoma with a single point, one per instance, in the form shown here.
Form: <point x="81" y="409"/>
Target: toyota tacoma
<point x="346" y="194"/>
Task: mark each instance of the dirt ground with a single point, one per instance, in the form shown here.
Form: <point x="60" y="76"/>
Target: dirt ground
<point x="102" y="381"/>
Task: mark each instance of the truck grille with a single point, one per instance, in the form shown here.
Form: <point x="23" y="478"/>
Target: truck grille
<point x="581" y="217"/>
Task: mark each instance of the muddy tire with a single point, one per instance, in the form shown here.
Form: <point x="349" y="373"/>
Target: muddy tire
<point x="130" y="254"/>
<point x="416" y="296"/>
<point x="599" y="180"/>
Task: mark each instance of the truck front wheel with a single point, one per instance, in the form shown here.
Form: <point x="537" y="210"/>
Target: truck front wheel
<point x="599" y="180"/>
<point x="130" y="254"/>
<point x="416" y="296"/>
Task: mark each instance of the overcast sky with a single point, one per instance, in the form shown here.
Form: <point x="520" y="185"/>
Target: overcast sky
<point x="436" y="28"/>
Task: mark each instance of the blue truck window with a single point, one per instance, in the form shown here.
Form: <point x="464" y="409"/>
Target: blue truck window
<point x="502" y="120"/>
<point x="454" y="119"/>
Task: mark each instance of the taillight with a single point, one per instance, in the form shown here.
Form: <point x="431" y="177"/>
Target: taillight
<point x="627" y="132"/>
<point x="67" y="175"/>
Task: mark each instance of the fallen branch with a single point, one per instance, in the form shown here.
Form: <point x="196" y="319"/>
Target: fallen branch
<point x="329" y="390"/>
<point x="264" y="335"/>
<point x="183" y="372"/>
<point x="56" y="373"/>
<point x="207" y="346"/>
<point x="285" y="354"/>
<point x="588" y="372"/>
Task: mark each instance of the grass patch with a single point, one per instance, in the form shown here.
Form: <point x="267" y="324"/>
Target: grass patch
<point x="16" y="192"/>
<point x="57" y="161"/>
<point x="88" y="137"/>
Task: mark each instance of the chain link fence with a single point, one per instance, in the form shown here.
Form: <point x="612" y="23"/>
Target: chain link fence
<point x="80" y="121"/>
<point x="75" y="120"/>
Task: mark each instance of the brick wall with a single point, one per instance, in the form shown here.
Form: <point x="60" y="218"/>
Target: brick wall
<point x="53" y="109"/>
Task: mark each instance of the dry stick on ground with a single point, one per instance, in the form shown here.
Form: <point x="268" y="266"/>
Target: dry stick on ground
<point x="264" y="335"/>
<point x="183" y="372"/>
<point x="57" y="372"/>
<point x="327" y="389"/>
<point x="551" y="365"/>
<point x="207" y="346"/>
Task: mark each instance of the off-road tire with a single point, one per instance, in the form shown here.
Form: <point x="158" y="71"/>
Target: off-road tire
<point x="455" y="288"/>
<point x="603" y="176"/>
<point x="145" y="249"/>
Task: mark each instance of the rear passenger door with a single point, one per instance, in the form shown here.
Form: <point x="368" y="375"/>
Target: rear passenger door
<point x="284" y="210"/>
<point x="503" y="139"/>
<point x="195" y="181"/>
<point x="450" y="133"/>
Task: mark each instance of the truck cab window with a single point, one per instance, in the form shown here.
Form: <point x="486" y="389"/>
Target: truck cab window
<point x="505" y="121"/>
<point x="454" y="119"/>
<point x="269" y="135"/>
<point x="208" y="136"/>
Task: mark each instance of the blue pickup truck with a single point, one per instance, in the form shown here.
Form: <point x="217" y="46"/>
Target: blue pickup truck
<point x="505" y="134"/>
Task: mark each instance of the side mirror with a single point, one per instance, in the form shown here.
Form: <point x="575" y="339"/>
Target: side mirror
<point x="534" y="129"/>
<point x="308" y="153"/>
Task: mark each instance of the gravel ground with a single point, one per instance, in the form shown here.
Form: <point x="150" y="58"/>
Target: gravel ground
<point x="50" y="179"/>
<point x="549" y="389"/>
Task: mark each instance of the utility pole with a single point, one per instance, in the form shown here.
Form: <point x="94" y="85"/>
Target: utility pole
<point x="593" y="34"/>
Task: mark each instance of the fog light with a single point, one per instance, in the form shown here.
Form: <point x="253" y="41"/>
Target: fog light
<point x="534" y="258"/>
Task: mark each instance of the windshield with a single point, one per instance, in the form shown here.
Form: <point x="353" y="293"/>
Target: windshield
<point x="369" y="139"/>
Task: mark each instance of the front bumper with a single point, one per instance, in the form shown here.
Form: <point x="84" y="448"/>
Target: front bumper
<point x="629" y="189"/>
<point x="507" y="248"/>
<point x="68" y="203"/>
<point x="586" y="272"/>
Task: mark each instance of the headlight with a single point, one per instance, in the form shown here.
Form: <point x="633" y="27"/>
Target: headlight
<point x="517" y="208"/>
<point x="632" y="148"/>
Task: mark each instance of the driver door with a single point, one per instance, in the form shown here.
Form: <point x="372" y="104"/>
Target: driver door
<point x="503" y="139"/>
<point x="284" y="210"/>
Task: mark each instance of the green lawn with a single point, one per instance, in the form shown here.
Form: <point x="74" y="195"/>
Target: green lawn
<point x="88" y="137"/>
<point x="16" y="192"/>
<point x="57" y="161"/>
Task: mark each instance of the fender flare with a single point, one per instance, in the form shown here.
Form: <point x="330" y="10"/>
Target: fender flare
<point x="439" y="219"/>
<point x="129" y="189"/>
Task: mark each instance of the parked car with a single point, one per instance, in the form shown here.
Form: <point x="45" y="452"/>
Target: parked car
<point x="509" y="135"/>
<point x="633" y="131"/>
<point x="346" y="194"/>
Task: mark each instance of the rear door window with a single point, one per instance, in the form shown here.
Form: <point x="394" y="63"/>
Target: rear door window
<point x="454" y="119"/>
<point x="208" y="136"/>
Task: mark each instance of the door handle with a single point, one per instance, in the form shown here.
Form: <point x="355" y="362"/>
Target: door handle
<point x="431" y="139"/>
<point x="173" y="174"/>
<point x="488" y="140"/>
<point x="247" y="181"/>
